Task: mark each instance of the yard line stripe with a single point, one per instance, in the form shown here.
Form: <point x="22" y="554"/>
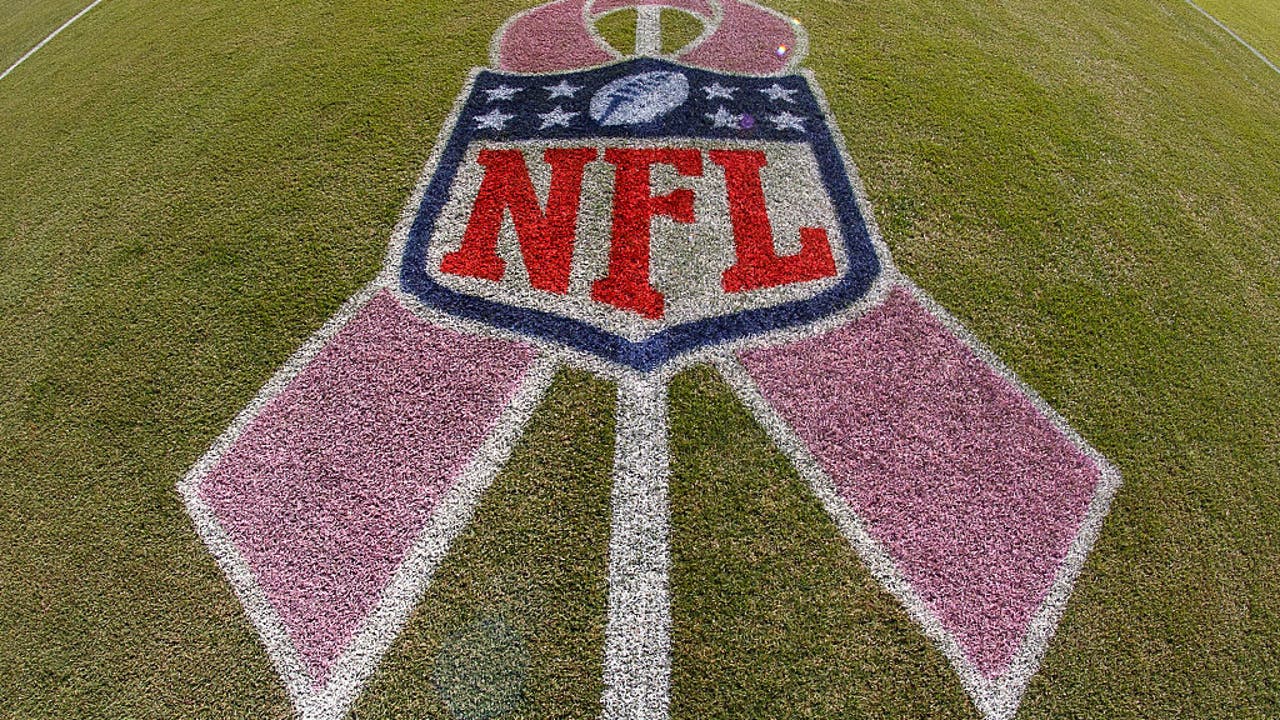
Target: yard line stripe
<point x="648" y="30"/>
<point x="54" y="34"/>
<point x="1238" y="39"/>
<point x="637" y="653"/>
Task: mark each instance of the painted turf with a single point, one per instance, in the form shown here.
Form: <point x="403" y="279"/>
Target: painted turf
<point x="325" y="491"/>
<point x="335" y="496"/>
<point x="93" y="434"/>
<point x="1256" y="20"/>
<point x="968" y="497"/>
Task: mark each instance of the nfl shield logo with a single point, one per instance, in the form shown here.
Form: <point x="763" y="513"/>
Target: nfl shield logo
<point x="640" y="212"/>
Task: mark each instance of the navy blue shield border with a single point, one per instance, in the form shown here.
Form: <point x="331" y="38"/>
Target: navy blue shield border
<point x="687" y="121"/>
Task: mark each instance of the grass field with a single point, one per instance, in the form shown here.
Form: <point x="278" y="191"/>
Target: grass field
<point x="1257" y="21"/>
<point x="23" y="24"/>
<point x="191" y="189"/>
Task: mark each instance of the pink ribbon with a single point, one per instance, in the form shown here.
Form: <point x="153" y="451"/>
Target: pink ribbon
<point x="558" y="36"/>
<point x="332" y="498"/>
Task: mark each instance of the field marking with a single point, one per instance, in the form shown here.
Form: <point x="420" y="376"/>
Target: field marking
<point x="996" y="698"/>
<point x="1232" y="33"/>
<point x="644" y="26"/>
<point x="648" y="30"/>
<point x="351" y="671"/>
<point x="389" y="277"/>
<point x="51" y="36"/>
<point x="637" y="652"/>
<point x="637" y="661"/>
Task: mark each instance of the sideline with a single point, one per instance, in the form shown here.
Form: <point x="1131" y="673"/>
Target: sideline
<point x="1230" y="32"/>
<point x="64" y="26"/>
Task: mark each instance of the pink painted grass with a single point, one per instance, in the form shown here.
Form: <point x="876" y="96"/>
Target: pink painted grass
<point x="326" y="490"/>
<point x="974" y="493"/>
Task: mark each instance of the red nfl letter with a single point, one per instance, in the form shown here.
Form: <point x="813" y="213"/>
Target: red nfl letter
<point x="546" y="239"/>
<point x="634" y="206"/>
<point x="758" y="264"/>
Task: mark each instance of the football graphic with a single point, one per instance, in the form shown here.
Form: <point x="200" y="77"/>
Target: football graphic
<point x="639" y="99"/>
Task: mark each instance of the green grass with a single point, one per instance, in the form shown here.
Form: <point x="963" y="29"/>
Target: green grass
<point x="774" y="614"/>
<point x="679" y="28"/>
<point x="1257" y="21"/>
<point x="23" y="23"/>
<point x="534" y="560"/>
<point x="193" y="188"/>
<point x="619" y="30"/>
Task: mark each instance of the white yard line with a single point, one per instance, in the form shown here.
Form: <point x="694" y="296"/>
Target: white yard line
<point x="648" y="30"/>
<point x="51" y="36"/>
<point x="637" y="652"/>
<point x="1232" y="33"/>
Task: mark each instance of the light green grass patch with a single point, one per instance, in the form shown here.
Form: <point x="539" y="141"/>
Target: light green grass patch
<point x="1257" y="21"/>
<point x="618" y="28"/>
<point x="679" y="28"/>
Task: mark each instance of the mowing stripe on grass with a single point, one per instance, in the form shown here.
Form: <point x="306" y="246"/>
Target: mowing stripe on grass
<point x="1237" y="38"/>
<point x="51" y="36"/>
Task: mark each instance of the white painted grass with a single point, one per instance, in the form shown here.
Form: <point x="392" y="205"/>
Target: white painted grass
<point x="637" y="652"/>
<point x="1237" y="38"/>
<point x="51" y="36"/>
<point x="648" y="30"/>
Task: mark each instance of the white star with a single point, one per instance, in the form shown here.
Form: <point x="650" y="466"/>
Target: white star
<point x="502" y="92"/>
<point x="563" y="89"/>
<point x="776" y="92"/>
<point x="556" y="117"/>
<point x="787" y="121"/>
<point x="495" y="119"/>
<point x="716" y="90"/>
<point x="724" y="118"/>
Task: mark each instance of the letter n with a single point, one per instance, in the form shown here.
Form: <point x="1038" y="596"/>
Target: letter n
<point x="546" y="238"/>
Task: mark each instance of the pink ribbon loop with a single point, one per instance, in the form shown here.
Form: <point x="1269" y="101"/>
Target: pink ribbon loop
<point x="558" y="36"/>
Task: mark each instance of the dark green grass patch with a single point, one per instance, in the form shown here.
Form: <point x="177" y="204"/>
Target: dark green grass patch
<point x="193" y="188"/>
<point x="774" y="614"/>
